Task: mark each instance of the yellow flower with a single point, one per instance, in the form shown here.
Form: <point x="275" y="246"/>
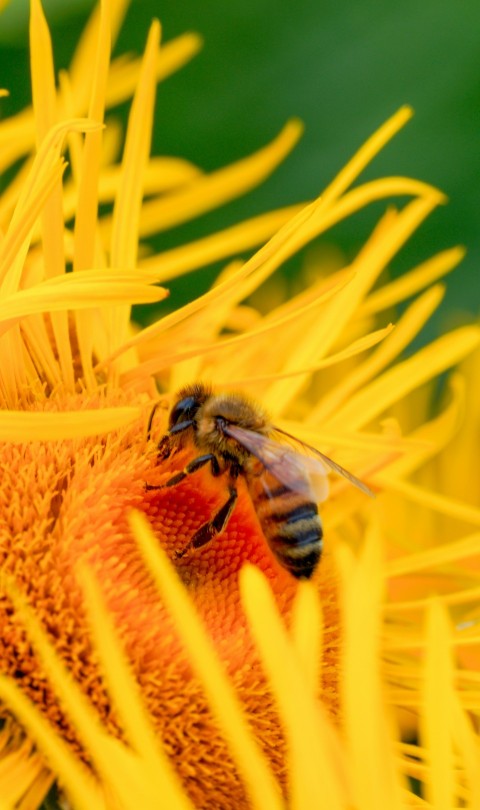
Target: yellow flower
<point x="220" y="681"/>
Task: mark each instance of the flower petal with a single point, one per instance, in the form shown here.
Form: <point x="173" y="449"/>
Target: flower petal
<point x="23" y="426"/>
<point x="406" y="329"/>
<point x="250" y="760"/>
<point x="367" y="728"/>
<point x="209" y="191"/>
<point x="306" y="726"/>
<point x="375" y="398"/>
<point x="436" y="726"/>
<point x="410" y="283"/>
<point x="77" y="291"/>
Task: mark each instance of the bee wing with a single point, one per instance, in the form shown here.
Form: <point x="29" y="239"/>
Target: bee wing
<point x="328" y="462"/>
<point x="289" y="465"/>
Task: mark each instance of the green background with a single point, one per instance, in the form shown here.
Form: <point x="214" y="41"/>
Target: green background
<point x="343" y="67"/>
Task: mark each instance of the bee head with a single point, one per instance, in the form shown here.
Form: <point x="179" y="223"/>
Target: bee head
<point x="185" y="408"/>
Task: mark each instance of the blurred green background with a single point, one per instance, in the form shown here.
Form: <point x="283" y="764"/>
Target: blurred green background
<point x="343" y="67"/>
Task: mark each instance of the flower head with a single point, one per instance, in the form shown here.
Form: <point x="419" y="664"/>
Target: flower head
<point x="227" y="690"/>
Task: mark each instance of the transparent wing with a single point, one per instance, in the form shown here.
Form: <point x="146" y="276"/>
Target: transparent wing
<point x="307" y="449"/>
<point x="289" y="462"/>
<point x="288" y="465"/>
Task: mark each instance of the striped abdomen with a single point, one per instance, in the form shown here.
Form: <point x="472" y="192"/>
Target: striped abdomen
<point x="291" y="525"/>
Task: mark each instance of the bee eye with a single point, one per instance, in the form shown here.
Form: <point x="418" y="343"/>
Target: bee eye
<point x="183" y="411"/>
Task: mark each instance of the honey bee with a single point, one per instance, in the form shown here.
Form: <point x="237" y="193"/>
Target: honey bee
<point x="286" y="479"/>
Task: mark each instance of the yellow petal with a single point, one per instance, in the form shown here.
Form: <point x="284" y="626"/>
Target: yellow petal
<point x="87" y="203"/>
<point x="17" y="239"/>
<point x="307" y="633"/>
<point x="86" y="50"/>
<point x="165" y="360"/>
<point x="367" y="725"/>
<point x="410" y="283"/>
<point x="404" y="377"/>
<point x="466" y="743"/>
<point x="407" y="328"/>
<point x="128" y="202"/>
<point x="237" y="239"/>
<point x="24" y="426"/>
<point x="44" y="105"/>
<point x="124" y="72"/>
<point x="436" y="723"/>
<point x="367" y="152"/>
<point x="432" y="500"/>
<point x="442" y="554"/>
<point x="358" y="346"/>
<point x="253" y="768"/>
<point x="130" y="710"/>
<point x="23" y="776"/>
<point x="209" y="191"/>
<point x="75" y="775"/>
<point x="313" y="783"/>
<point x="392" y="232"/>
<point x="77" y="291"/>
<point x="126" y="213"/>
<point x="41" y="179"/>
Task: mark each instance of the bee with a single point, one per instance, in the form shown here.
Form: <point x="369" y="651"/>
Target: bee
<point x="285" y="478"/>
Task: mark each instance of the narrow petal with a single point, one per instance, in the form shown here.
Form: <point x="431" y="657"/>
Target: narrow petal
<point x="210" y="191"/>
<point x="407" y="328"/>
<point x="404" y="377"/>
<point x="137" y="146"/>
<point x="155" y="365"/>
<point x="436" y="722"/>
<point x="86" y="171"/>
<point x="17" y="239"/>
<point x="434" y="435"/>
<point x="392" y="233"/>
<point x="74" y="292"/>
<point x="75" y="775"/>
<point x="128" y="202"/>
<point x="358" y="346"/>
<point x="23" y="426"/>
<point x="126" y="697"/>
<point x="124" y="73"/>
<point x="412" y="282"/>
<point x="432" y="500"/>
<point x="86" y="50"/>
<point x="42" y="71"/>
<point x="23" y="776"/>
<point x="37" y="340"/>
<point x="466" y="743"/>
<point x="250" y="760"/>
<point x="41" y="179"/>
<point x="440" y="555"/>
<point x="177" y="262"/>
<point x="307" y="633"/>
<point x="367" y="152"/>
<point x="307" y="224"/>
<point x="44" y="106"/>
<point x="87" y="202"/>
<point x="367" y="726"/>
<point x="305" y="724"/>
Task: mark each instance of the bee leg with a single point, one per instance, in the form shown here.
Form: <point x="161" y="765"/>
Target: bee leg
<point x="191" y="467"/>
<point x="150" y="420"/>
<point x="217" y="525"/>
<point x="164" y="448"/>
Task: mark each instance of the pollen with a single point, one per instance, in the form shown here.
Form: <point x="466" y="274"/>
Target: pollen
<point x="68" y="501"/>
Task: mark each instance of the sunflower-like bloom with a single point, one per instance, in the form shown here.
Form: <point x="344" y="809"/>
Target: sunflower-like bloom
<point x="220" y="681"/>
